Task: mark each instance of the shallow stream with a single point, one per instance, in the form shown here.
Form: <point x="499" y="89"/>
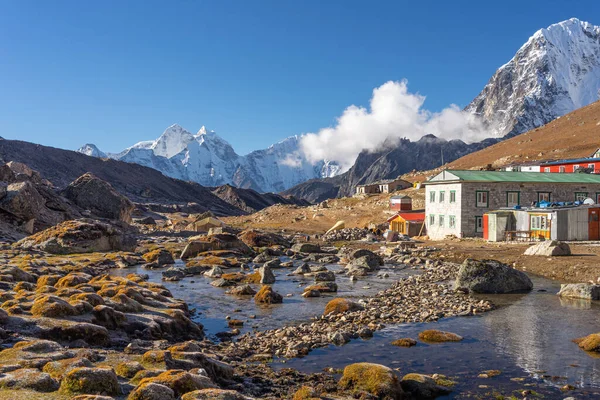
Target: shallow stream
<point x="528" y="337"/>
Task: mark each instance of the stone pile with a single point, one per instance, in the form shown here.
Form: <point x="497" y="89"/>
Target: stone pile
<point x="419" y="298"/>
<point x="348" y="234"/>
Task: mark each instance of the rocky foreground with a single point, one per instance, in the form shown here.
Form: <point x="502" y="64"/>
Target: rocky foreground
<point x="71" y="330"/>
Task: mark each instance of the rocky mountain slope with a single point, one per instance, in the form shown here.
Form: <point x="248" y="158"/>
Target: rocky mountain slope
<point x="207" y="159"/>
<point x="138" y="183"/>
<point x="251" y="201"/>
<point x="574" y="135"/>
<point x="555" y="72"/>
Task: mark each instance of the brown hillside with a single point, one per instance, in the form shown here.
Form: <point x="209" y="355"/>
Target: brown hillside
<point x="574" y="135"/>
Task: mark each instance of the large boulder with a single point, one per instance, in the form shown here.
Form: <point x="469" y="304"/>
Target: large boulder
<point x="91" y="381"/>
<point x="98" y="196"/>
<point x="23" y="201"/>
<point x="306" y="248"/>
<point x="490" y="276"/>
<point x="180" y="381"/>
<point x="580" y="291"/>
<point x="549" y="248"/>
<point x="375" y="379"/>
<point x="79" y="236"/>
<point x="221" y="241"/>
<point x="256" y="238"/>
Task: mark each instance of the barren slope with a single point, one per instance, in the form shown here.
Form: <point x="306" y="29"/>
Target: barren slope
<point x="574" y="135"/>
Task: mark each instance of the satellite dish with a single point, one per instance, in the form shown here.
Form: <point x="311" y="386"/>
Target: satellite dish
<point x="589" y="202"/>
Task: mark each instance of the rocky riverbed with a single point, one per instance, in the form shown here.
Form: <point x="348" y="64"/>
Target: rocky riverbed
<point x="110" y="324"/>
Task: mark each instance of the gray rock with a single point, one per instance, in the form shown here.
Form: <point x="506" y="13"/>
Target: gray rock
<point x="306" y="248"/>
<point x="98" y="196"/>
<point x="339" y="338"/>
<point x="580" y="291"/>
<point x="490" y="276"/>
<point x="215" y="272"/>
<point x="325" y="276"/>
<point x="266" y="275"/>
<point x="549" y="248"/>
<point x="243" y="290"/>
<point x="423" y="386"/>
<point x="301" y="270"/>
<point x="222" y="283"/>
<point x="275" y="263"/>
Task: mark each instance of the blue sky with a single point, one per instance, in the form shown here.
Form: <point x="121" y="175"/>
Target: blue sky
<point x="117" y="72"/>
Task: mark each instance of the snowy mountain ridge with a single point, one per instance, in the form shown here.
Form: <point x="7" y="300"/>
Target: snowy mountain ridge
<point x="555" y="72"/>
<point x="208" y="159"/>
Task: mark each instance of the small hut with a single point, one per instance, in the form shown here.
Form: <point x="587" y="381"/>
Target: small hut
<point x="408" y="223"/>
<point x="400" y="203"/>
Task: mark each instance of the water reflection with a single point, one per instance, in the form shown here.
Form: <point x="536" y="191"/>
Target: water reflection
<point x="213" y="304"/>
<point x="528" y="336"/>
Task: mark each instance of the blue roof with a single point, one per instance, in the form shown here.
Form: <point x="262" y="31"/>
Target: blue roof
<point x="570" y="161"/>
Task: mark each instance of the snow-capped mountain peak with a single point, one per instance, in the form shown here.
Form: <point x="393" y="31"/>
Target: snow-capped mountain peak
<point x="555" y="72"/>
<point x="91" y="150"/>
<point x="210" y="160"/>
<point x="173" y="140"/>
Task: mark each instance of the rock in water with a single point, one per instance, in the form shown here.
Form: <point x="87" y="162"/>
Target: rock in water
<point x="490" y="276"/>
<point x="580" y="291"/>
<point x="374" y="379"/>
<point x="266" y="295"/>
<point x="423" y="386"/>
<point x="266" y="275"/>
<point x="98" y="196"/>
<point x="549" y="248"/>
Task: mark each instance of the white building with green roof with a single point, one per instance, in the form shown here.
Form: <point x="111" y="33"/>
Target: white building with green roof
<point x="455" y="201"/>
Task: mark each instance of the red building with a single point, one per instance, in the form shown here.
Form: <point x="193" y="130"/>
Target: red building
<point x="573" y="165"/>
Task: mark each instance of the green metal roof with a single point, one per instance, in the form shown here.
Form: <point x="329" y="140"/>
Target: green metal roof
<point x="510" y="176"/>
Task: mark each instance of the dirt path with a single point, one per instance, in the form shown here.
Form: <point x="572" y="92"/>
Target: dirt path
<point x="583" y="266"/>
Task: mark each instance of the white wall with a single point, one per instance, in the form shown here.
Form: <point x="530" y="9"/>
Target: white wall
<point x="435" y="231"/>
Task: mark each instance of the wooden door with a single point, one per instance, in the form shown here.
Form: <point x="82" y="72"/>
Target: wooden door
<point x="594" y="224"/>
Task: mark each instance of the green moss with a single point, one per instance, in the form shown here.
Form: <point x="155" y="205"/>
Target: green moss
<point x="375" y="379"/>
<point x="305" y="393"/>
<point x="340" y="305"/>
<point x="589" y="343"/>
<point x="25" y="394"/>
<point x="435" y="336"/>
<point x="128" y="369"/>
<point x="404" y="342"/>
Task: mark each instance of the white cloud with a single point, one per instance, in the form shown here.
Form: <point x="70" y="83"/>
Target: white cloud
<point x="293" y="160"/>
<point x="394" y="113"/>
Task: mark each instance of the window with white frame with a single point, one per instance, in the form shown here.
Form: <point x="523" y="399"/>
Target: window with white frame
<point x="441" y="220"/>
<point x="478" y="224"/>
<point x="432" y="220"/>
<point x="453" y="196"/>
<point x="592" y="167"/>
<point x="538" y="223"/>
<point x="561" y="169"/>
<point x="546" y="169"/>
<point x="442" y="196"/>
<point x="452" y="221"/>
<point x="513" y="199"/>
<point x="576" y="167"/>
<point x="432" y="197"/>
<point x="544" y="196"/>
<point x="482" y="198"/>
